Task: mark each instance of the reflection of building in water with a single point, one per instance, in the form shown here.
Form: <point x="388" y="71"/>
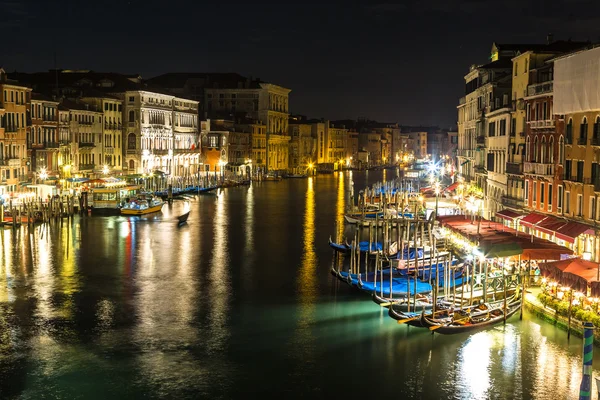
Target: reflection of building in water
<point x="220" y="280"/>
<point x="166" y="295"/>
<point x="307" y="291"/>
<point x="340" y="208"/>
<point x="248" y="259"/>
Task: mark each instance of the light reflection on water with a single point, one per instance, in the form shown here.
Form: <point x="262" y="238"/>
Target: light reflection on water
<point x="139" y="307"/>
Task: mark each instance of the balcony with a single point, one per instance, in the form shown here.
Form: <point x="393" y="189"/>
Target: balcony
<point x="514" y="168"/>
<point x="542" y="124"/>
<point x="160" y="152"/>
<point x="52" y="145"/>
<point x="87" y="167"/>
<point x="539" y="169"/>
<point x="540" y="88"/>
<point x="50" y="118"/>
<point x="83" y="145"/>
<point x="480" y="169"/>
<point x="513" y="202"/>
<point x="64" y="142"/>
<point x="467" y="153"/>
<point x="133" y="151"/>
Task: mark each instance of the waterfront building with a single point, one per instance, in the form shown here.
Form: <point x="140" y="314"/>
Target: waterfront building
<point x="162" y="133"/>
<point x="303" y="146"/>
<point x="111" y="146"/>
<point x="419" y="143"/>
<point x="66" y="145"/>
<point x="14" y="165"/>
<point x="214" y="142"/>
<point x="42" y="139"/>
<point x="86" y="139"/>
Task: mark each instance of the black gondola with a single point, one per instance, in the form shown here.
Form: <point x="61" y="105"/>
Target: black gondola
<point x="466" y="321"/>
<point x="183" y="218"/>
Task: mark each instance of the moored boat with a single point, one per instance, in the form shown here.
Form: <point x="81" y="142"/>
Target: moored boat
<point x="470" y="319"/>
<point x="142" y="206"/>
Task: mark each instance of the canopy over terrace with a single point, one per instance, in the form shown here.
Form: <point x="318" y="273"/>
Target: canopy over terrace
<point x="493" y="239"/>
<point x="573" y="272"/>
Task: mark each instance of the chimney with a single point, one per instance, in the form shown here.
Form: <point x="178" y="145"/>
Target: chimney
<point x="549" y="38"/>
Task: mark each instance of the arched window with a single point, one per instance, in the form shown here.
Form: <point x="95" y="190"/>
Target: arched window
<point x="528" y="149"/>
<point x="131" y="165"/>
<point x="596" y="139"/>
<point x="551" y="150"/>
<point x="131" y="141"/>
<point x="569" y="132"/>
<point x="583" y="130"/>
<point x="536" y="150"/>
<point x="543" y="150"/>
<point x="561" y="150"/>
<point x="131" y="116"/>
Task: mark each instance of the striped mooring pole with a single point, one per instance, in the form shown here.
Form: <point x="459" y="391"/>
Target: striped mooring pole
<point x="585" y="389"/>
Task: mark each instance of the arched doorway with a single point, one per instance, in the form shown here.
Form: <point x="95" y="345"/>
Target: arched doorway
<point x="131" y="165"/>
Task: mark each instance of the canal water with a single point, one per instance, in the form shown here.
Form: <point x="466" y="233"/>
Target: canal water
<point x="237" y="303"/>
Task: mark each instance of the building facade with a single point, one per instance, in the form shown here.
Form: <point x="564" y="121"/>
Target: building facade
<point x="16" y="101"/>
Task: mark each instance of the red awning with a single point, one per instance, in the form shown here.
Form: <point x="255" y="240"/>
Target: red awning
<point x="571" y="230"/>
<point x="532" y="219"/>
<point x="452" y="187"/>
<point x="508" y="215"/>
<point x="549" y="225"/>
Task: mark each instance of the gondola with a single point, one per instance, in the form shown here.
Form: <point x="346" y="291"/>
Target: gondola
<point x="471" y="319"/>
<point x="339" y="247"/>
<point x="182" y="219"/>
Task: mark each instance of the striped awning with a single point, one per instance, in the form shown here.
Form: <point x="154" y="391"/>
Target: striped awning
<point x="508" y="215"/>
<point x="531" y="219"/>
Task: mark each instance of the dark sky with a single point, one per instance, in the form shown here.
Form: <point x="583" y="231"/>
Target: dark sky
<point x="390" y="62"/>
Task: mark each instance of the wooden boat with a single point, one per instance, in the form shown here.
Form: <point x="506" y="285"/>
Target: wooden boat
<point x="466" y="320"/>
<point x="142" y="206"/>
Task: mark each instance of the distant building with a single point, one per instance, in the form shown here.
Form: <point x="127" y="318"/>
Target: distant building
<point x="42" y="139"/>
<point x="419" y="142"/>
<point x="231" y="96"/>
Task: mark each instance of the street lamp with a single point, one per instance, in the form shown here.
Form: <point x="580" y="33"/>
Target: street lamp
<point x="105" y="169"/>
<point x="43" y="174"/>
<point x="310" y="168"/>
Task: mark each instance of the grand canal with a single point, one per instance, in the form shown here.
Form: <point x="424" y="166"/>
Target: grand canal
<point x="239" y="303"/>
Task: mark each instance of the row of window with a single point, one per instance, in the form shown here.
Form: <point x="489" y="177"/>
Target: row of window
<point x="583" y="131"/>
<point x="562" y="198"/>
<point x="14" y="96"/>
<point x="112" y="107"/>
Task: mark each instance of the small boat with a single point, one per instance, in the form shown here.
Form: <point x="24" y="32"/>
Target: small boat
<point x="466" y="320"/>
<point x="339" y="247"/>
<point x="183" y="217"/>
<point x="297" y="176"/>
<point x="272" y="177"/>
<point x="142" y="206"/>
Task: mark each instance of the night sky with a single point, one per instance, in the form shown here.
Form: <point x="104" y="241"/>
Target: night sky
<point x="390" y="62"/>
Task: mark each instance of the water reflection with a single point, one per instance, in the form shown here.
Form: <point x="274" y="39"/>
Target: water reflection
<point x="220" y="291"/>
<point x="248" y="259"/>
<point x="340" y="208"/>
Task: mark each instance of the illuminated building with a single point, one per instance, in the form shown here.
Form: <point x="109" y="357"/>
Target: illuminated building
<point x="109" y="143"/>
<point x="85" y="133"/>
<point x="15" y="103"/>
<point x="42" y="140"/>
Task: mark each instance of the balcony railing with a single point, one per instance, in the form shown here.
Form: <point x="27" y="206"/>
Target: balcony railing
<point x="539" y="169"/>
<point x="86" y="144"/>
<point x="52" y="145"/>
<point x="541" y="124"/>
<point x="87" y="167"/>
<point x="64" y="142"/>
<point x="51" y="118"/>
<point x="468" y="153"/>
<point x="160" y="152"/>
<point x="480" y="169"/>
<point x="540" y="88"/>
<point x="514" y="168"/>
<point x="133" y="151"/>
<point x="512" y="202"/>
